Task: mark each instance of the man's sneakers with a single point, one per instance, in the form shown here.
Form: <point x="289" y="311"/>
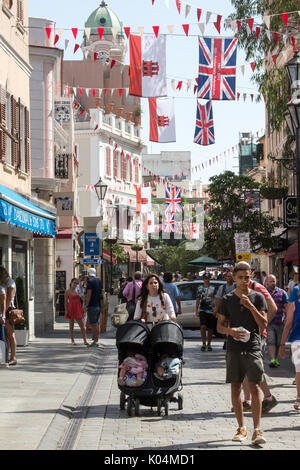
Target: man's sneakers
<point x="258" y="438"/>
<point x="274" y="363"/>
<point x="241" y="435"/>
<point x="267" y="405"/>
<point x="93" y="345"/>
<point x="204" y="347"/>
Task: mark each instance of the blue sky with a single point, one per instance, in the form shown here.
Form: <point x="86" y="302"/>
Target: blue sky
<point x="230" y="118"/>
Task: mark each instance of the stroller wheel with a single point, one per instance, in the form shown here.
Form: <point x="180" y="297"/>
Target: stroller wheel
<point x="122" y="401"/>
<point x="129" y="406"/>
<point x="137" y="407"/>
<point x="159" y="406"/>
<point x="180" y="401"/>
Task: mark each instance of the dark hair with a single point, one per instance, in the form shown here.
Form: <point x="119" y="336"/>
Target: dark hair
<point x="241" y="266"/>
<point x="74" y="279"/>
<point x="145" y="292"/>
<point x="168" y="277"/>
<point x="137" y="275"/>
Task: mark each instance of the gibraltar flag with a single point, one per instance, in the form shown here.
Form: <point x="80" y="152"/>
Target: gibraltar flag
<point x="143" y="199"/>
<point x="148" y="66"/>
<point x="149" y="223"/>
<point x="162" y="120"/>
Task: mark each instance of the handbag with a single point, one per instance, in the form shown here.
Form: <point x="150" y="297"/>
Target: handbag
<point x="16" y="315"/>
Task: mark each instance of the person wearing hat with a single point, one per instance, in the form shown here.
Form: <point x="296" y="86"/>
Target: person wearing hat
<point x="93" y="304"/>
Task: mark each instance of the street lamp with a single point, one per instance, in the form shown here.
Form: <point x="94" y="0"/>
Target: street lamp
<point x="111" y="240"/>
<point x="101" y="189"/>
<point x="293" y="70"/>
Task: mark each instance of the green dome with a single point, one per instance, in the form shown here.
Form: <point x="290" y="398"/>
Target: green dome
<point x="105" y="18"/>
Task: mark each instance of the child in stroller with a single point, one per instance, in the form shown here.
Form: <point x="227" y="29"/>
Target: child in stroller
<point x="133" y="370"/>
<point x="168" y="367"/>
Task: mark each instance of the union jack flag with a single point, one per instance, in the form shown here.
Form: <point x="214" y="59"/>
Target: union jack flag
<point x="217" y="68"/>
<point x="173" y="200"/>
<point x="204" y="132"/>
<point x="169" y="225"/>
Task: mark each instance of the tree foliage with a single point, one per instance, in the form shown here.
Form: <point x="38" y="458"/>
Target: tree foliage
<point x="228" y="213"/>
<point x="272" y="81"/>
<point x="175" y="258"/>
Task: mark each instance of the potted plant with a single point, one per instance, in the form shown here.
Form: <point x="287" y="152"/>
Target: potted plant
<point x="137" y="115"/>
<point x="137" y="247"/>
<point x="271" y="189"/>
<point x="21" y="330"/>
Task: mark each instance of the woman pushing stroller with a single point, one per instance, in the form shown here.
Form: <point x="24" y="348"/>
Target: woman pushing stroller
<point x="154" y="304"/>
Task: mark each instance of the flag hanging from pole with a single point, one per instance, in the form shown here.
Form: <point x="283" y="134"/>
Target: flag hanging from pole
<point x="169" y="223"/>
<point x="217" y="68"/>
<point x="162" y="120"/>
<point x="204" y="132"/>
<point x="148" y="66"/>
<point x="173" y="200"/>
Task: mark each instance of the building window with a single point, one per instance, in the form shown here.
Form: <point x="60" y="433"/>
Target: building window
<point x="20" y="11"/>
<point x="108" y="162"/>
<point x="62" y="166"/>
<point x="136" y="170"/>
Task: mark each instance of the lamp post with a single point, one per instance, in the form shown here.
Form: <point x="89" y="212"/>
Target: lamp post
<point x="293" y="121"/>
<point x="101" y="189"/>
<point x="111" y="240"/>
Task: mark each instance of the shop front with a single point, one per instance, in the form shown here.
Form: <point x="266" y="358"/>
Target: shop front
<point x="20" y="221"/>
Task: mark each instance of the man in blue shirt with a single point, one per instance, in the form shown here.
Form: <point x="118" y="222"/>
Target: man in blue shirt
<point x="93" y="303"/>
<point x="276" y="325"/>
<point x="173" y="292"/>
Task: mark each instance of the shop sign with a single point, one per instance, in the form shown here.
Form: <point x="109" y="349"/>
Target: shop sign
<point x="290" y="212"/>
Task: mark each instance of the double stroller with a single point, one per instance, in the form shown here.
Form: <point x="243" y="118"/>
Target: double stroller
<point x="165" y="338"/>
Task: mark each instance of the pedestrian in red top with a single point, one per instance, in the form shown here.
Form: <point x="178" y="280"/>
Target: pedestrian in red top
<point x="74" y="311"/>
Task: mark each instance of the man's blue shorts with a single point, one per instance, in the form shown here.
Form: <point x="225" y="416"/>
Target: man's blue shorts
<point x="93" y="314"/>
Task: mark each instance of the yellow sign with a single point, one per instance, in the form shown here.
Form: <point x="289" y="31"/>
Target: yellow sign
<point x="86" y="266"/>
<point x="243" y="257"/>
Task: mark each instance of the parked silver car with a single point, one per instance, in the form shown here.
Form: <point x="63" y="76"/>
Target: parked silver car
<point x="188" y="292"/>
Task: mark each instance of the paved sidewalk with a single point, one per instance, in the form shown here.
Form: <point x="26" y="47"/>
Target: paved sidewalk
<point x="66" y="397"/>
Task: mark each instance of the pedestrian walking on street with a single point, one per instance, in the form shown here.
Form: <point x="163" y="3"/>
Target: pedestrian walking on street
<point x="291" y="334"/>
<point x="173" y="292"/>
<point x="154" y="304"/>
<point x="275" y="327"/>
<point x="205" y="310"/>
<point x="246" y="312"/>
<point x="3" y="344"/>
<point x="93" y="304"/>
<point x="9" y="286"/>
<point x="224" y="289"/>
<point x="74" y="310"/>
<point x="131" y="293"/>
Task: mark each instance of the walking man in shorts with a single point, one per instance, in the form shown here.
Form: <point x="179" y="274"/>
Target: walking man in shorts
<point x="205" y="309"/>
<point x="93" y="303"/>
<point x="244" y="308"/>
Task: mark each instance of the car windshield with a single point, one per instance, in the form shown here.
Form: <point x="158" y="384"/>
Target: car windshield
<point x="189" y="291"/>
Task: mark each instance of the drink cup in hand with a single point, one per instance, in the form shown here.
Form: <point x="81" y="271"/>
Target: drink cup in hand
<point x="244" y="336"/>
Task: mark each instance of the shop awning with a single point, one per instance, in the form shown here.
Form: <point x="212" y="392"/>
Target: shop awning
<point x="19" y="212"/>
<point x="142" y="256"/>
<point x="291" y="255"/>
<point x="64" y="234"/>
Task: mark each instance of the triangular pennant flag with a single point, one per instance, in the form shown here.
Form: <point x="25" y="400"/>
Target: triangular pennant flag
<point x="250" y="23"/>
<point x="100" y="32"/>
<point x="187" y="10"/>
<point x="252" y="66"/>
<point x="95" y="56"/>
<point x="173" y="84"/>
<point x="48" y="32"/>
<point x="56" y="39"/>
<point x="120" y="91"/>
<point x="87" y="90"/>
<point x="189" y="84"/>
<point x="276" y="37"/>
<point x="96" y="127"/>
<point x="244" y="96"/>
<point x="233" y="25"/>
<point x="199" y="11"/>
<point x="208" y="15"/>
<point x="153" y="2"/>
<point x="178" y="4"/>
<point x="60" y="31"/>
<point x="77" y="46"/>
<point x="66" y="43"/>
<point x="171" y="29"/>
<point x="274" y="57"/>
<point x="87" y="32"/>
<point x="268" y="33"/>
<point x="267" y="21"/>
<point x="202" y="27"/>
<point x="127" y="31"/>
<point x="114" y="32"/>
<point x="75" y="31"/>
<point x="186" y="28"/>
<point x="218" y="23"/>
<point x="141" y="30"/>
<point x="257" y="31"/>
<point x="285" y="18"/>
<point x="94" y="92"/>
<point x="179" y="86"/>
<point x="80" y="91"/>
<point x="243" y="69"/>
<point x="112" y="63"/>
<point x="239" y="24"/>
<point x="156" y="30"/>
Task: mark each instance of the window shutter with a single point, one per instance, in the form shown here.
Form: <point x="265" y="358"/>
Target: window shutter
<point x="14" y="118"/>
<point x="3" y="123"/>
<point x="108" y="162"/>
<point x="20" y="11"/>
<point x="27" y="141"/>
<point x="136" y="170"/>
<point x="123" y="162"/>
<point x="130" y="169"/>
<point x="115" y="164"/>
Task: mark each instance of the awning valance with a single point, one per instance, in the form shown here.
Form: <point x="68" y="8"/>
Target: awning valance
<point x="19" y="212"/>
<point x="291" y="255"/>
<point x="141" y="258"/>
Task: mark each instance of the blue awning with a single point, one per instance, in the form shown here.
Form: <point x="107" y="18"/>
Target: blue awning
<point x="19" y="212"/>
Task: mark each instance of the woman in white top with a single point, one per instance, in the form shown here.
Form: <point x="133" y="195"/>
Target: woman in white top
<point x="154" y="304"/>
<point x="9" y="286"/>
